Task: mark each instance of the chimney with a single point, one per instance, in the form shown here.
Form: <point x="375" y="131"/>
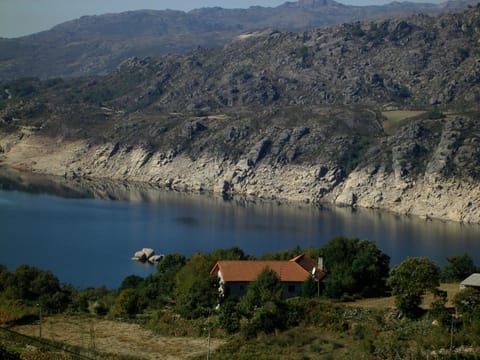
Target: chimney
<point x="320" y="266"/>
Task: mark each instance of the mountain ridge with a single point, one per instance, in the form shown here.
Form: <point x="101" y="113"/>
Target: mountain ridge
<point x="379" y="114"/>
<point x="93" y="45"/>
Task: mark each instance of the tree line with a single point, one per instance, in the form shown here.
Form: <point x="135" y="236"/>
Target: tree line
<point x="355" y="269"/>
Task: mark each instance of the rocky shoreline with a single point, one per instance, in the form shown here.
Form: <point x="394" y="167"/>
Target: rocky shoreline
<point x="429" y="197"/>
<point x="380" y="115"/>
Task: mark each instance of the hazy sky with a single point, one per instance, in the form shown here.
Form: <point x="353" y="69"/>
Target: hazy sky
<point x="22" y="17"/>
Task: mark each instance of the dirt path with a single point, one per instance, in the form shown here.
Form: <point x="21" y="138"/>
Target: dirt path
<point x="118" y="338"/>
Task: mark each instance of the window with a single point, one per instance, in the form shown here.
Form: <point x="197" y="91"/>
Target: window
<point x="291" y="288"/>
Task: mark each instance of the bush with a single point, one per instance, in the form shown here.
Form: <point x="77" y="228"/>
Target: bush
<point x="127" y="303"/>
<point x="411" y="280"/>
<point x="467" y="301"/>
<point x="7" y="354"/>
<point x="266" y="319"/>
<point x="33" y="286"/>
<point x="267" y="287"/>
<point x="310" y="288"/>
<point x="229" y="317"/>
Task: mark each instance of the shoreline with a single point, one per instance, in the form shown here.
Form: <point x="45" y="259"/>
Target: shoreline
<point x="427" y="197"/>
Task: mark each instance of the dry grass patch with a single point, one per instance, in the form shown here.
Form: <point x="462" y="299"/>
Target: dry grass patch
<point x="452" y="289"/>
<point x="218" y="117"/>
<point x="388" y="302"/>
<point x="118" y="338"/>
<point x="397" y="118"/>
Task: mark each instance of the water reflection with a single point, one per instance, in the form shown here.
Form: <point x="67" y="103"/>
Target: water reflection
<point x="86" y="240"/>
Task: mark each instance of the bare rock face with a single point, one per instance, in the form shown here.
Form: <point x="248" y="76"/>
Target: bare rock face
<point x="279" y="116"/>
<point x="139" y="256"/>
<point x="93" y="45"/>
<point x="148" y="252"/>
<point x="392" y="175"/>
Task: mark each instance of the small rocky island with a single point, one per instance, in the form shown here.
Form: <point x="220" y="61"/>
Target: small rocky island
<point x="147" y="255"/>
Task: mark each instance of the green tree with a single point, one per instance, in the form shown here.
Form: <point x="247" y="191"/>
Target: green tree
<point x="467" y="301"/>
<point x="157" y="289"/>
<point x="131" y="282"/>
<point x="355" y="267"/>
<point x="229" y="316"/>
<point x="95" y="300"/>
<point x="4" y="277"/>
<point x="196" y="292"/>
<point x="233" y="253"/>
<point x="457" y="268"/>
<point x="411" y="280"/>
<point x="167" y="269"/>
<point x="267" y="318"/>
<point x="32" y="285"/>
<point x="267" y="287"/>
<point x="283" y="254"/>
<point x="127" y="303"/>
<point x="262" y="305"/>
<point x="309" y="288"/>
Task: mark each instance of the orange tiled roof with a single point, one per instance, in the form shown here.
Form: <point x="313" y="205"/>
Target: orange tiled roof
<point x="247" y="271"/>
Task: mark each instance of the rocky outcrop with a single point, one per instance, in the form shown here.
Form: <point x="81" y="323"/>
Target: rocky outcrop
<point x="411" y="173"/>
<point x="281" y="116"/>
<point x="147" y="254"/>
<point x="93" y="45"/>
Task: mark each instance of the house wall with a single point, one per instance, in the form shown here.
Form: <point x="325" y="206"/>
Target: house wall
<point x="235" y="288"/>
<point x="290" y="289"/>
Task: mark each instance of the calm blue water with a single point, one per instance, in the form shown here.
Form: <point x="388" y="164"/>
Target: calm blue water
<point x="89" y="242"/>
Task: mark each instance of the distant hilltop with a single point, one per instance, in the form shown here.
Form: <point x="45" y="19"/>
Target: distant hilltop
<point x="94" y="45"/>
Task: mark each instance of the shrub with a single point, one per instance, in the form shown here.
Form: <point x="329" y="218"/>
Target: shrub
<point x="229" y="317"/>
<point x="411" y="280"/>
<point x="267" y="287"/>
<point x="266" y="319"/>
<point x="127" y="303"/>
<point x="467" y="301"/>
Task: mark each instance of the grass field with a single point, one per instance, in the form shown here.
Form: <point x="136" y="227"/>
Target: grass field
<point x="388" y="302"/>
<point x="397" y="118"/>
<point x="129" y="340"/>
<point x="118" y="338"/>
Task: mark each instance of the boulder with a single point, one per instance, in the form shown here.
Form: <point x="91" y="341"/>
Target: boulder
<point x="148" y="252"/>
<point x="139" y="256"/>
<point x="156" y="258"/>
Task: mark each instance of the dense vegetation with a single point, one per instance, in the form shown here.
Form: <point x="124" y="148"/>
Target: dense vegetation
<point x="181" y="298"/>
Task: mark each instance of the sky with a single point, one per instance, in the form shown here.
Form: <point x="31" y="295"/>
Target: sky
<point x="23" y="17"/>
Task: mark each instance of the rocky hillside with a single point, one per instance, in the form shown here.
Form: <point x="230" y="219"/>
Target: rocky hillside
<point x="277" y="115"/>
<point x="97" y="44"/>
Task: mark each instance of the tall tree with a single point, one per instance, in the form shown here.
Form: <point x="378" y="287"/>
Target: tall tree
<point x="458" y="267"/>
<point x="266" y="287"/>
<point x="411" y="280"/>
<point x="196" y="292"/>
<point x="355" y="267"/>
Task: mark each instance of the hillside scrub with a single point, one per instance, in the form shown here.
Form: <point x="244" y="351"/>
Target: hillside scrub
<point x="262" y="316"/>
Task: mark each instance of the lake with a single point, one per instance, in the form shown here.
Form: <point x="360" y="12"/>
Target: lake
<point x="90" y="241"/>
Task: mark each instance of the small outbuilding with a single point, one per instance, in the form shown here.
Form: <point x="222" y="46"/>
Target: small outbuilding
<point x="473" y="281"/>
